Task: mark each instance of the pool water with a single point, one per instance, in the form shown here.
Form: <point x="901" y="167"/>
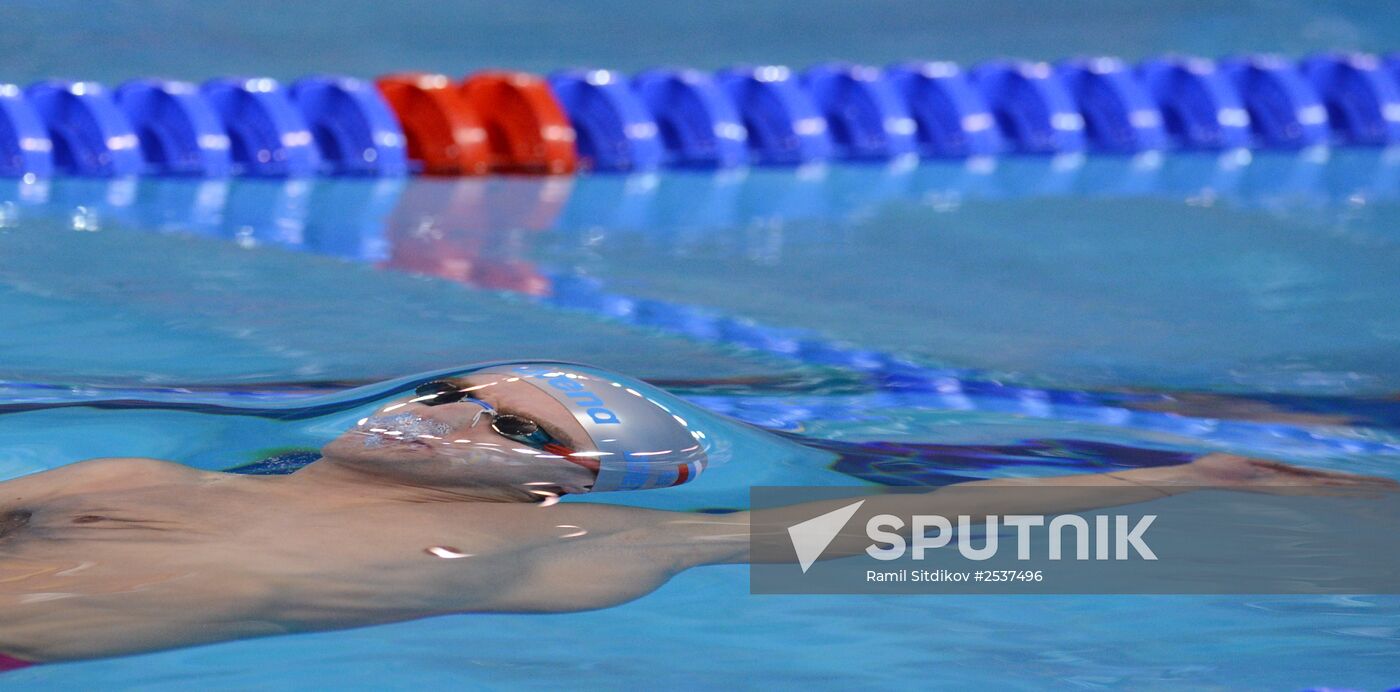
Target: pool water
<point x="1185" y="304"/>
<point x="1244" y="311"/>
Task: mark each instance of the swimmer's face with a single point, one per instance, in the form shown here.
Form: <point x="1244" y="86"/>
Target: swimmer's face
<point x="460" y="443"/>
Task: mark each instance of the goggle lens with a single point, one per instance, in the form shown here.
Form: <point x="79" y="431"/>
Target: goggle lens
<point x="440" y="391"/>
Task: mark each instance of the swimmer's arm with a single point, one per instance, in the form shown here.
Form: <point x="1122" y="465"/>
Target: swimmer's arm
<point x="605" y="555"/>
<point x="707" y="539"/>
<point x="725" y="538"/>
<point x="83" y="476"/>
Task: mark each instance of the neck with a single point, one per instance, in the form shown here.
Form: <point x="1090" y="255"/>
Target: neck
<point x="329" y="478"/>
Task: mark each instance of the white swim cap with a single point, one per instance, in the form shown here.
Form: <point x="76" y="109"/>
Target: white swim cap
<point x="643" y="437"/>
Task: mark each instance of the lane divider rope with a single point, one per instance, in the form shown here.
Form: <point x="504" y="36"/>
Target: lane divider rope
<point x="766" y="115"/>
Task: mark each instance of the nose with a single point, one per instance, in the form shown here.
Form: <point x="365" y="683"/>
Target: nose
<point x="407" y="424"/>
<point x="458" y="417"/>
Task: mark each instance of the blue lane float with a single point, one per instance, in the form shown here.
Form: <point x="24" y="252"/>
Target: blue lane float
<point x="25" y="147"/>
<point x="784" y="126"/>
<point x="951" y="118"/>
<point x="180" y="133"/>
<point x="1362" y="97"/>
<point x="1200" y="106"/>
<point x="698" y="124"/>
<point x="868" y="119"/>
<point x="1391" y="64"/>
<point x="268" y="136"/>
<point x="1285" y="111"/>
<point x="1032" y="106"/>
<point x="1119" y="115"/>
<point x="689" y="119"/>
<point x="91" y="136"/>
<point x="616" y="132"/>
<point x="355" y="132"/>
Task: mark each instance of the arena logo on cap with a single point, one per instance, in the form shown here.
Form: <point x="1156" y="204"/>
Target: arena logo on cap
<point x="575" y="391"/>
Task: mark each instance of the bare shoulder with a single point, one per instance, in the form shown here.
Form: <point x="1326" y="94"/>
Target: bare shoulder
<point x="102" y="473"/>
<point x="126" y="470"/>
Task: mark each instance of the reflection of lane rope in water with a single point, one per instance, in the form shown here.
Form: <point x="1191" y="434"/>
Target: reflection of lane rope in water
<point x="350" y="222"/>
<point x="1309" y="186"/>
<point x="919" y="463"/>
<point x="297" y="212"/>
<point x="907" y="384"/>
<point x="784" y="412"/>
<point x="896" y="463"/>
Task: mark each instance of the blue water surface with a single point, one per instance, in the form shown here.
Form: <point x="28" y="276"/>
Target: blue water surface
<point x="1190" y="303"/>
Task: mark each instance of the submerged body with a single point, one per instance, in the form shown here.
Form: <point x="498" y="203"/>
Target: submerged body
<point x="119" y="556"/>
<point x="116" y="556"/>
<point x="444" y="501"/>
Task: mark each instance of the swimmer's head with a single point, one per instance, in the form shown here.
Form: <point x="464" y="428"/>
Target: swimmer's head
<point x="538" y="429"/>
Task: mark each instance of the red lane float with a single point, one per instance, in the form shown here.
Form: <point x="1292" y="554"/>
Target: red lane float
<point x="526" y="128"/>
<point x="445" y="135"/>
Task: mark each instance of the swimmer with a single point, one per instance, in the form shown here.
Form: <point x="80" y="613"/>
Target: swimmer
<point x="441" y="500"/>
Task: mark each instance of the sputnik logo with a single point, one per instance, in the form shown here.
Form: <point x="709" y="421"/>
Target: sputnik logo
<point x="810" y="538"/>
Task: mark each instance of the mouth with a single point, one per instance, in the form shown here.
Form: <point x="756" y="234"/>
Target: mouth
<point x="382" y="441"/>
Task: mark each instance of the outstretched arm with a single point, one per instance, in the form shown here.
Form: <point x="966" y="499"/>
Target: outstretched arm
<point x="725" y="538"/>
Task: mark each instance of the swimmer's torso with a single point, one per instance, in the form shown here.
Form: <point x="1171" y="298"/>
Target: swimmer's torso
<point x="128" y="556"/>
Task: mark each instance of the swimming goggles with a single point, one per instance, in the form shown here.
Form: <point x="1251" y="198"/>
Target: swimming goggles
<point x="507" y="425"/>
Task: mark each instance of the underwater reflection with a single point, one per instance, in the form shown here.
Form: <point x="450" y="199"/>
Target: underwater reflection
<point x="487" y="233"/>
<point x="475" y="231"/>
<point x="350" y="217"/>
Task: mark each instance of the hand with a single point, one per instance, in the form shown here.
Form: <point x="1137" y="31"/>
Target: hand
<point x="1277" y="478"/>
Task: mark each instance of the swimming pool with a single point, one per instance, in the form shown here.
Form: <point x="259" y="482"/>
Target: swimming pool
<point x="1193" y="304"/>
